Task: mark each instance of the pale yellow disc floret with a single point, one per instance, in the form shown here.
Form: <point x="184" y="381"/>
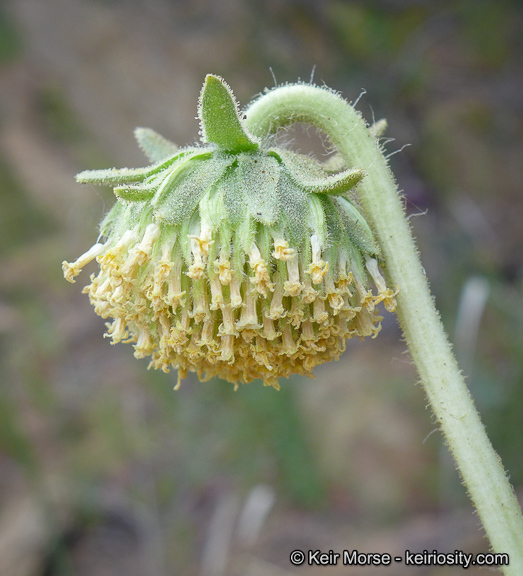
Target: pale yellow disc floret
<point x="282" y="251"/>
<point x="208" y="317"/>
<point x="71" y="270"/>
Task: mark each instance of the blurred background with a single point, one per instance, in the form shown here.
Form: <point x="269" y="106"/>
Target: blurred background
<point x="104" y="469"/>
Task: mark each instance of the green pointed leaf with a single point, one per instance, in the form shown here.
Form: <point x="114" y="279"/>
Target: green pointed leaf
<point x="219" y="117"/>
<point x="233" y="195"/>
<point x="136" y="192"/>
<point x="244" y="235"/>
<point x="129" y="175"/>
<point x="311" y="176"/>
<point x="212" y="207"/>
<point x="356" y="226"/>
<point x="337" y="183"/>
<point x="334" y="184"/>
<point x="155" y="147"/>
<point x="121" y="175"/>
<point x="113" y="176"/>
<point x="335" y="230"/>
<point x="295" y="208"/>
<point x="181" y="191"/>
<point x="259" y="176"/>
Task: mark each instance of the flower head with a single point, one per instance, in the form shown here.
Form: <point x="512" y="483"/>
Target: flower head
<point x="234" y="258"/>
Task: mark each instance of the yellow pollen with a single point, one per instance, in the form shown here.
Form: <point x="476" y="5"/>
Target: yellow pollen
<point x="317" y="270"/>
<point x="344" y="282"/>
<point x="296" y="313"/>
<point x="262" y="280"/>
<point x="336" y="301"/>
<point x="366" y="297"/>
<point x="139" y="255"/>
<point x="389" y="300"/>
<point x="200" y="251"/>
<point x="282" y="251"/>
<point x="223" y="268"/>
<point x="113" y="257"/>
<point x="204" y="241"/>
<point x="196" y="270"/>
<point x="384" y="294"/>
<point x="308" y="294"/>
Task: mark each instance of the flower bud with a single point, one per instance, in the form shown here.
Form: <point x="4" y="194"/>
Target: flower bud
<point x="234" y="258"/>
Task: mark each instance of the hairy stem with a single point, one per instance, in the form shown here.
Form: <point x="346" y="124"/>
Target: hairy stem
<point x="480" y="466"/>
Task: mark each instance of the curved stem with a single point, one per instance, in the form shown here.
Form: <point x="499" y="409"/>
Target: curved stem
<point x="445" y="387"/>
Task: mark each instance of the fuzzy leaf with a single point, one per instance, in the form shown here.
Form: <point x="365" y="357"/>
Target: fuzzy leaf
<point x="181" y="191"/>
<point x="155" y="147"/>
<point x="244" y="235"/>
<point x="311" y="176"/>
<point x="113" y="176"/>
<point x="295" y="208"/>
<point x="337" y="183"/>
<point x="336" y="233"/>
<point x="259" y="177"/>
<point x="136" y="192"/>
<point x="219" y="117"/>
<point x="129" y="175"/>
<point x="334" y="184"/>
<point x="212" y="208"/>
<point x="233" y="195"/>
<point x="356" y="226"/>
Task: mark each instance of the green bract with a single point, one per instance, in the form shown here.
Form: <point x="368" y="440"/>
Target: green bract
<point x="240" y="178"/>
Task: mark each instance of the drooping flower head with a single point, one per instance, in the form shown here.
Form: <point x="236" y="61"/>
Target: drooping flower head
<point x="234" y="258"/>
